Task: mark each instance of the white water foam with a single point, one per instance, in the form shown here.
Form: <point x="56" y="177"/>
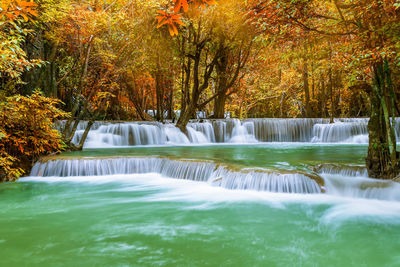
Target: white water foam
<point x="203" y="196"/>
<point x="361" y="187"/>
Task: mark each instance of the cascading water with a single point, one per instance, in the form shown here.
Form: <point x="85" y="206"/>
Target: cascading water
<point x="227" y="131"/>
<point x="361" y="187"/>
<point x="337" y="180"/>
<point x="210" y="172"/>
<point x="196" y="137"/>
<point x="240" y="133"/>
<point x="206" y="129"/>
<point x="284" y="130"/>
<point x="271" y="182"/>
<point x="352" y="132"/>
<point x="353" y="182"/>
<point x="337" y="169"/>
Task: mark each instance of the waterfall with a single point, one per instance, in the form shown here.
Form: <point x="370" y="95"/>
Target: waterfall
<point x="262" y="181"/>
<point x="350" y="131"/>
<point x="240" y="133"/>
<point x="107" y="134"/>
<point x="353" y="181"/>
<point x="210" y="172"/>
<point x="361" y="187"/>
<point x="341" y="170"/>
<point x="284" y="130"/>
<point x="175" y="136"/>
<point x="219" y="128"/>
<point x="206" y="128"/>
<point x="126" y="134"/>
<point x="196" y="137"/>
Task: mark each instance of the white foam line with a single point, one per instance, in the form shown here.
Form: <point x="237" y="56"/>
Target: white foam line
<point x="205" y="196"/>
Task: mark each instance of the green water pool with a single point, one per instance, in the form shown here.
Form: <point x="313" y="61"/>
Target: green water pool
<point x="150" y="220"/>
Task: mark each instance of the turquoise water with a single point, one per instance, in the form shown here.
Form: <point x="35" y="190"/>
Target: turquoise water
<point x="285" y="155"/>
<point x="150" y="220"/>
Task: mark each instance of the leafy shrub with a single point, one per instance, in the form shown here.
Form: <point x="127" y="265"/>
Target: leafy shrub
<point x="26" y="132"/>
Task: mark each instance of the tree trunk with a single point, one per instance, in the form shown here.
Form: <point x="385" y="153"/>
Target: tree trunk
<point x="228" y="70"/>
<point x="323" y="96"/>
<point x="306" y="87"/>
<point x="382" y="160"/>
<point x="222" y="85"/>
<point x="82" y="79"/>
<point x="85" y="134"/>
<point x="219" y="106"/>
<point x="331" y="83"/>
<point x="185" y="118"/>
<point x="170" y="108"/>
<point x="160" y="83"/>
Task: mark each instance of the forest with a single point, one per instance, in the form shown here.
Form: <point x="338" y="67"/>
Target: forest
<point x="129" y="60"/>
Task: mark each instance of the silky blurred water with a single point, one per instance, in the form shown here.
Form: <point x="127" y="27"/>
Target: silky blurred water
<point x="150" y="220"/>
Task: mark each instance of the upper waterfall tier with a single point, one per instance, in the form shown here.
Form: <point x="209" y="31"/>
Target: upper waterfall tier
<point x="210" y="172"/>
<point x="108" y="134"/>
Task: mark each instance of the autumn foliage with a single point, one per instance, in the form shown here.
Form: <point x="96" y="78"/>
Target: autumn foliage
<point x="172" y="20"/>
<point x="12" y="9"/>
<point x="27" y="132"/>
<point x="13" y="58"/>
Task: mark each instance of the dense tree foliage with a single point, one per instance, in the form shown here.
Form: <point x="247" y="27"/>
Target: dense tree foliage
<point x="27" y="132"/>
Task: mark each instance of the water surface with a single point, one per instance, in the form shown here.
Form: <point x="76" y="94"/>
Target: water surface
<point x="151" y="220"/>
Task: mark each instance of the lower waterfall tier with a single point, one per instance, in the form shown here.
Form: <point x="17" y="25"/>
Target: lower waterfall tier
<point x="332" y="179"/>
<point x="210" y="172"/>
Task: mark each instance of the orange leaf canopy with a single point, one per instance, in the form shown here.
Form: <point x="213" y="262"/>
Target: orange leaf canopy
<point x="171" y="20"/>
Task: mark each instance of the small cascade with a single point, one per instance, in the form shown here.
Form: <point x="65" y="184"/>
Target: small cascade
<point x="124" y="134"/>
<point x="220" y="130"/>
<point x="284" y="130"/>
<point x="350" y="131"/>
<point x="261" y="181"/>
<point x="216" y="175"/>
<point x="240" y="133"/>
<point x="223" y="130"/>
<point x="353" y="181"/>
<point x="206" y="128"/>
<point x="107" y="134"/>
<point x="134" y="134"/>
<point x="361" y="187"/>
<point x="196" y="137"/>
<point x="341" y="170"/>
<point x="188" y="170"/>
<point x="174" y="135"/>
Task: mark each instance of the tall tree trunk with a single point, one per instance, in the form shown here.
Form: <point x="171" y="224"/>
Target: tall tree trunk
<point x="81" y="83"/>
<point x="323" y="96"/>
<point x="170" y="104"/>
<point x="382" y="160"/>
<point x="331" y="83"/>
<point x="160" y="80"/>
<point x="185" y="117"/>
<point x="197" y="81"/>
<point x="306" y="86"/>
<point x="219" y="106"/>
<point x="85" y="134"/>
<point x="222" y="84"/>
